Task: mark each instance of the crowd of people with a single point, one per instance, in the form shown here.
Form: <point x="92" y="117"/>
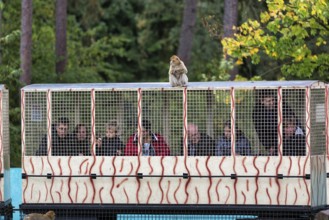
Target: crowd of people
<point x="264" y="116"/>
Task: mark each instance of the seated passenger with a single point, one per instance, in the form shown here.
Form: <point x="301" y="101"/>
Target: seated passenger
<point x="199" y="144"/>
<point x="80" y="141"/>
<point x="242" y="145"/>
<point x="153" y="144"/>
<point x="110" y="145"/>
<point x="60" y="140"/>
<point x="293" y="138"/>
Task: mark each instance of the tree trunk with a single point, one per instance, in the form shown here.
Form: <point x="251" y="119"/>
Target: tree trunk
<point x="0" y="35"/>
<point x="26" y="42"/>
<point x="61" y="51"/>
<point x="187" y="31"/>
<point x="230" y="20"/>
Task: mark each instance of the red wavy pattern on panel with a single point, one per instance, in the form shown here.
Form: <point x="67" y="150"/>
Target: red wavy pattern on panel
<point x="39" y="196"/>
<point x="167" y="193"/>
<point x="180" y="181"/>
<point x="308" y="132"/>
<point x="126" y="194"/>
<point x="42" y="165"/>
<point x="220" y="166"/>
<point x="295" y="196"/>
<point x="185" y="141"/>
<point x="69" y="180"/>
<point x="286" y="196"/>
<point x="279" y="145"/>
<point x="92" y="93"/>
<point x="80" y="167"/>
<point x="100" y="194"/>
<point x="32" y="165"/>
<point x="210" y="180"/>
<point x="175" y="165"/>
<point x="113" y="179"/>
<point x="59" y="196"/>
<point x="46" y="191"/>
<point x="32" y="191"/>
<point x="139" y="118"/>
<point x="228" y="194"/>
<point x="86" y="189"/>
<point x="266" y="163"/>
<point x="101" y="166"/>
<point x="76" y="193"/>
<point x="244" y="164"/>
<point x="268" y="195"/>
<point x="290" y="166"/>
<point x="197" y="195"/>
<point x="244" y="197"/>
<point x="59" y="166"/>
<point x="121" y="166"/>
<point x="218" y="198"/>
<point x="160" y="181"/>
<point x="149" y="162"/>
<point x="124" y="180"/>
<point x="256" y="179"/>
<point x="150" y="192"/>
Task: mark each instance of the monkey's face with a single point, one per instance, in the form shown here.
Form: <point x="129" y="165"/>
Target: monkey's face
<point x="174" y="60"/>
<point x="51" y="214"/>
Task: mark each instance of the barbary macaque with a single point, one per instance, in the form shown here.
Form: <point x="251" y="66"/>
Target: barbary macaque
<point x="50" y="215"/>
<point x="177" y="72"/>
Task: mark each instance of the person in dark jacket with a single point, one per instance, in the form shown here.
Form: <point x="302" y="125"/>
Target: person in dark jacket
<point x="242" y="145"/>
<point x="293" y="138"/>
<point x="110" y="145"/>
<point x="199" y="144"/>
<point x="60" y="140"/>
<point x="81" y="145"/>
<point x="265" y="119"/>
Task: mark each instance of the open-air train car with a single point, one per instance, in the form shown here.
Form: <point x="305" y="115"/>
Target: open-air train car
<point x="5" y="199"/>
<point x="239" y="167"/>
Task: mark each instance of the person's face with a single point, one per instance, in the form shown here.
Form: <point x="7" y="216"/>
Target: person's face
<point x="193" y="135"/>
<point x="269" y="102"/>
<point x="289" y="130"/>
<point x="110" y="132"/>
<point x="82" y="133"/>
<point x="61" y="130"/>
<point x="227" y="132"/>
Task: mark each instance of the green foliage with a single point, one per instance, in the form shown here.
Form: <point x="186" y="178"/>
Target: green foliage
<point x="294" y="32"/>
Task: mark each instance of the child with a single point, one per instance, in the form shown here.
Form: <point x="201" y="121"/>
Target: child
<point x="110" y="145"/>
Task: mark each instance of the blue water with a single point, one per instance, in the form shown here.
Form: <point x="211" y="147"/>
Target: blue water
<point x="16" y="189"/>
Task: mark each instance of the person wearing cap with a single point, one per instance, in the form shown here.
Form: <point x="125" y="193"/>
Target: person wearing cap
<point x="153" y="144"/>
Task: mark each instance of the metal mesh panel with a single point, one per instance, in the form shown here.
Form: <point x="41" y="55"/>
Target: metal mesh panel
<point x="71" y="123"/>
<point x="208" y="111"/>
<point x="164" y="110"/>
<point x="5" y="122"/>
<point x="246" y="142"/>
<point x="317" y="129"/>
<point x="35" y="121"/>
<point x="293" y="122"/>
<point x="116" y="117"/>
<point x="265" y="120"/>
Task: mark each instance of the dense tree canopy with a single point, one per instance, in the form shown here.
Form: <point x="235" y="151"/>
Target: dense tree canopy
<point x="294" y="32"/>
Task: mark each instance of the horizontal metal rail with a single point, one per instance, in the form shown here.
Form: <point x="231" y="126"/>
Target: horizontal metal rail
<point x="184" y="176"/>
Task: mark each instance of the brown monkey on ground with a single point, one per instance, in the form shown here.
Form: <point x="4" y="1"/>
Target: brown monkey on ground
<point x="177" y="72"/>
<point x="50" y="215"/>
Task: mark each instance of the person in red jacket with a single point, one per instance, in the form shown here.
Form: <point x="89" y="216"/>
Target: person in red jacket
<point x="153" y="144"/>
